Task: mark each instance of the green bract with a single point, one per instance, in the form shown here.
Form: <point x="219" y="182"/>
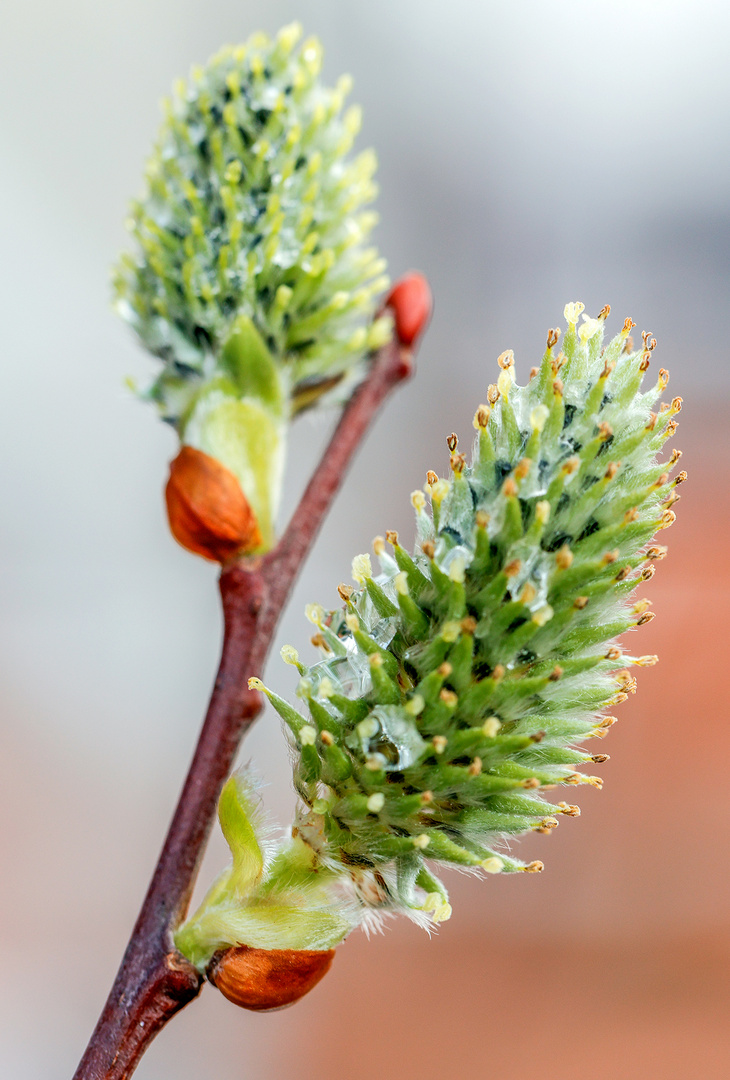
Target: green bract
<point x="250" y="280"/>
<point x="459" y="682"/>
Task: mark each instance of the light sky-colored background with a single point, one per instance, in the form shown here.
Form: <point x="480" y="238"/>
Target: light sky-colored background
<point x="531" y="153"/>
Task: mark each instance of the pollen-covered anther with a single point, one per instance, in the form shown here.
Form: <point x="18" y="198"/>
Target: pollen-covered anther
<point x="506" y="360"/>
<point x="491" y="727"/>
<point x="498" y="672"/>
<point x="307" y="735"/>
<point x="668" y="518"/>
<point x="623" y="573"/>
<point x="661" y="480"/>
<point x="431" y="478"/>
<point x="449" y="698"/>
<point x="657" y="552"/>
<point x="605" y="431"/>
<point x="571" y="465"/>
<point x="614" y="653"/>
<point x="631" y="515"/>
<point x="612" y="469"/>
<point x="512" y="568"/>
<point x="416" y="705"/>
<point x="379" y="545"/>
<point x="568" y="809"/>
<point x="530" y="783"/>
<point x="457" y="463"/>
<point x="558" y="387"/>
<point x="533" y="372"/>
<point x="481" y="417"/>
<point x="362" y="570"/>
<point x="482" y="519"/>
<point x="610" y="557"/>
<point x="645" y="361"/>
<point x="648" y="573"/>
<point x="645" y="618"/>
<point x="492" y="865"/>
<point x="445" y="669"/>
<point x="538" y="417"/>
<point x="468" y="625"/>
<point x="552" y="338"/>
<point x="452" y="441"/>
<point x="580" y="602"/>
<point x="345" y="592"/>
<point x="320" y="642"/>
<point x="509" y="488"/>
<point x="534" y="867"/>
<point x="421" y="841"/>
<point x="492" y="394"/>
<point x="563" y="557"/>
<point x="556" y="673"/>
<point x="428" y="548"/>
<point x="352" y="622"/>
<point x="401" y="583"/>
<point x="289" y="655"/>
<point x="663" y="379"/>
<point x="391" y="537"/>
<point x="543" y="615"/>
<point x="680" y="478"/>
<point x="646" y="661"/>
<point x="572" y="312"/>
<point x="528" y="594"/>
<point x="523" y="468"/>
<point x="418" y="500"/>
<point x="376" y="802"/>
<point x="676" y="404"/>
<point x="542" y="512"/>
<point x="327" y="738"/>
<point x="599" y="759"/>
<point x="256" y="684"/>
<point x="546" y="825"/>
<point x="475" y="767"/>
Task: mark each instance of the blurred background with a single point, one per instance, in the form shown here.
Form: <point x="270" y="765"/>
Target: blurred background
<point x="530" y="154"/>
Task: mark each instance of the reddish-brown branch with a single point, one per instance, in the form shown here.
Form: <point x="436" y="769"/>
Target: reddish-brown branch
<point x="154" y="980"/>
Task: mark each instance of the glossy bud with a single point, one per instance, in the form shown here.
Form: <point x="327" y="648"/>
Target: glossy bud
<point x="411" y="303"/>
<point x="206" y="508"/>
<point x="268" y="979"/>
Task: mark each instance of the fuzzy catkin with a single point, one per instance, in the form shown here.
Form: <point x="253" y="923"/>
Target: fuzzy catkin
<point x="254" y="209"/>
<point x="459" y="683"/>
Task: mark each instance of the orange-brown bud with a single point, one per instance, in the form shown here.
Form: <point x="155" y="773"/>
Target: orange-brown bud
<point x="411" y="303"/>
<point x="267" y="979"/>
<point x="206" y="508"/>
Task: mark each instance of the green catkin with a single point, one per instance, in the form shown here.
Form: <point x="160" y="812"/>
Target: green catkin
<point x="250" y="279"/>
<point x="475" y="665"/>
<point x="254" y="207"/>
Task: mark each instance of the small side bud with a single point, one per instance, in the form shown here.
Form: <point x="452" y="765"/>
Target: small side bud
<point x="207" y="510"/>
<point x="267" y="979"/>
<point x="411" y="303"/>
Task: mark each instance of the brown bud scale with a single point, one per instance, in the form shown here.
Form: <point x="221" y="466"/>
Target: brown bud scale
<point x="267" y="979"/>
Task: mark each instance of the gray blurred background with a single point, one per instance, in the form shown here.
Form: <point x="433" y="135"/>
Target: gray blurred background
<point x="530" y="153"/>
